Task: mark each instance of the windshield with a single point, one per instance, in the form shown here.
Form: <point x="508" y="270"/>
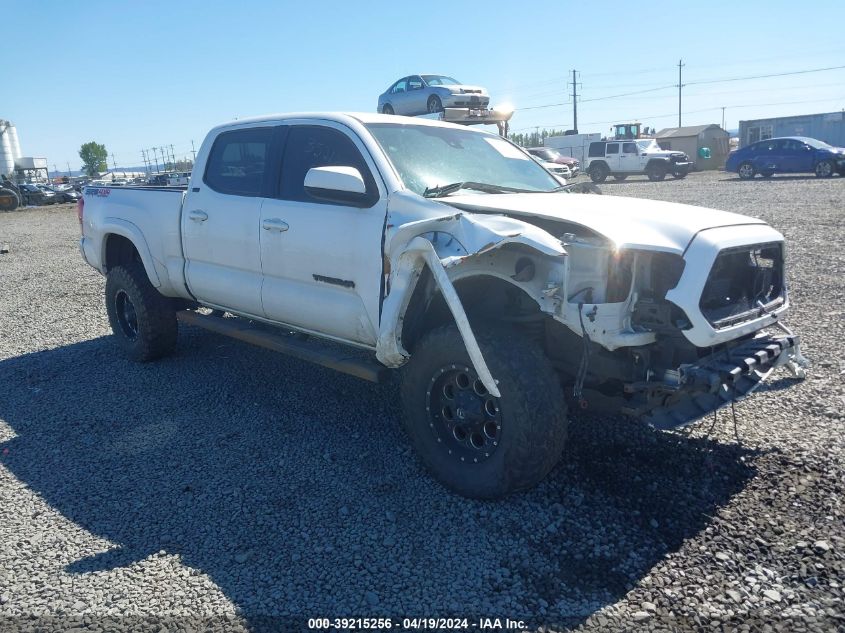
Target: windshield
<point x="816" y="144"/>
<point x="548" y="154"/>
<point x="427" y="156"/>
<point x="440" y="80"/>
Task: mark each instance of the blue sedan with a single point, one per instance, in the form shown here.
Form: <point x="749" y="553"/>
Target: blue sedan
<point x="787" y="155"/>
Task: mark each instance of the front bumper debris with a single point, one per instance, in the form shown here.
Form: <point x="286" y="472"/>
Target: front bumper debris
<point x="728" y="375"/>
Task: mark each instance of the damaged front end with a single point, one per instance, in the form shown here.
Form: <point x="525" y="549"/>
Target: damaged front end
<point x="663" y="334"/>
<point x="730" y="374"/>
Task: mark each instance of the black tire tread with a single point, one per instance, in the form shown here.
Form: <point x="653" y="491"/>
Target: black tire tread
<point x="537" y="420"/>
<point x="157" y="325"/>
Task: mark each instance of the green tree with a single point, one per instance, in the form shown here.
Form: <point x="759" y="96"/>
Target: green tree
<point x="93" y="157"/>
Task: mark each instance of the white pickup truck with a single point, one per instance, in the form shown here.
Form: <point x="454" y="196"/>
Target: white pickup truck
<point x="451" y="254"/>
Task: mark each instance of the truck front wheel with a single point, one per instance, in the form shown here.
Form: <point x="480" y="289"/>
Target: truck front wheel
<point x="478" y="445"/>
<point x="143" y="321"/>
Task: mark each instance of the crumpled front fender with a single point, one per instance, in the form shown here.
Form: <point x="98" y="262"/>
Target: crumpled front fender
<point x="441" y="243"/>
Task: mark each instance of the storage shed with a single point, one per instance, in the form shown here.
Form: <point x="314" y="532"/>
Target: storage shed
<point x="692" y="139"/>
<point x="828" y="127"/>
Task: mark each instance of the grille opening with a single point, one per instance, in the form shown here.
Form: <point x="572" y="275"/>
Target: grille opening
<point x="744" y="283"/>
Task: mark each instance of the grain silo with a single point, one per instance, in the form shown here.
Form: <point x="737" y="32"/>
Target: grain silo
<point x="10" y="147"/>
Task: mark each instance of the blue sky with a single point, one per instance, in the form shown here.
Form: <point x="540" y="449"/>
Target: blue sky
<point x="143" y="74"/>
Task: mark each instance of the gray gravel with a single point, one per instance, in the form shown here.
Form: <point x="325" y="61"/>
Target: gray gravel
<point x="232" y="487"/>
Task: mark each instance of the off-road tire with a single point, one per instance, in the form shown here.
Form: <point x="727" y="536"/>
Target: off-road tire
<point x="532" y="409"/>
<point x="825" y="169"/>
<point x="156" y="326"/>
<point x="599" y="172"/>
<point x="656" y="172"/>
<point x="746" y="171"/>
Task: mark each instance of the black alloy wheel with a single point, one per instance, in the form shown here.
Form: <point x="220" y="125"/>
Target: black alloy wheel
<point x="462" y="414"/>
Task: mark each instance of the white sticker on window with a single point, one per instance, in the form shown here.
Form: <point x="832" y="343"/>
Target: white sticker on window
<point x="506" y="149"/>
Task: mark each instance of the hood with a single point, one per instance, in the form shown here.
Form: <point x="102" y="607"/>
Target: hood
<point x="627" y="222"/>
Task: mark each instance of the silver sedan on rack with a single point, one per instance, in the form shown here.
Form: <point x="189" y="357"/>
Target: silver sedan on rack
<point x="422" y="94"/>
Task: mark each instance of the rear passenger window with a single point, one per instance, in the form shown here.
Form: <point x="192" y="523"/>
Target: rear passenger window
<point x="317" y="146"/>
<point x="238" y="160"/>
<point x="596" y="150"/>
<point x="613" y="148"/>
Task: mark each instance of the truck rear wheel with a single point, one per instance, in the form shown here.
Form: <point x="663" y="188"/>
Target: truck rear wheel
<point x="143" y="321"/>
<point x="475" y="444"/>
<point x="599" y="172"/>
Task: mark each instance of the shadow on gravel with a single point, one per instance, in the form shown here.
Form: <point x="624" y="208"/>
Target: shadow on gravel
<point x="293" y="488"/>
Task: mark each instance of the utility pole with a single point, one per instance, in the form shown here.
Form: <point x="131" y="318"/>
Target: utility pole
<point x="680" y="85"/>
<point x="574" y="103"/>
<point x="146" y="166"/>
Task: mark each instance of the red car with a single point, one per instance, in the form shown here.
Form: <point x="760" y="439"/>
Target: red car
<point x="554" y="156"/>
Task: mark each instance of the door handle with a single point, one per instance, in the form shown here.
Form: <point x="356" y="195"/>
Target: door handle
<point x="198" y="216"/>
<point x="275" y="224"/>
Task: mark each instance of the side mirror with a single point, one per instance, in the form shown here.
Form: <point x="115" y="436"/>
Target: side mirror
<point x="337" y="183"/>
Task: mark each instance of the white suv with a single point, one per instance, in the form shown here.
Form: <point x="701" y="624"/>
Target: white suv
<point x="621" y="159"/>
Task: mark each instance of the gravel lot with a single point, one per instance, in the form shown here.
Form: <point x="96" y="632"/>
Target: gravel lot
<point x="231" y="487"/>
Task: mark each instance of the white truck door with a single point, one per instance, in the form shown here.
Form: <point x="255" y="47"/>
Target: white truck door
<point x="629" y="159"/>
<point x="612" y="156"/>
<point x="221" y="219"/>
<point x="322" y="259"/>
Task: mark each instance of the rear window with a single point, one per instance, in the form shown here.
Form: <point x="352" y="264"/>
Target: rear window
<point x="596" y="150"/>
<point x="238" y="161"/>
<point x="613" y="148"/>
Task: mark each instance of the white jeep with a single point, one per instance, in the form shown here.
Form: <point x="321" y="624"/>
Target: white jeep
<point x="623" y="158"/>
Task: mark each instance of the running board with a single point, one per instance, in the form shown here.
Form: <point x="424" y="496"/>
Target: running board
<point x="311" y="351"/>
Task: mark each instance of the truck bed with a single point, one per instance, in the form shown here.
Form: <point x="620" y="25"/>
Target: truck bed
<point x="148" y="216"/>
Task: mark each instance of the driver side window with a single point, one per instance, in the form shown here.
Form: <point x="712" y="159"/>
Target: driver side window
<point x="310" y="146"/>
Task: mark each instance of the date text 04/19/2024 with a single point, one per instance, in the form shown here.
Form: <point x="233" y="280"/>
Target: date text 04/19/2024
<point x="410" y="624"/>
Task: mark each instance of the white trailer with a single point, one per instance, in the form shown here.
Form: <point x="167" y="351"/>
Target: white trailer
<point x="575" y="145"/>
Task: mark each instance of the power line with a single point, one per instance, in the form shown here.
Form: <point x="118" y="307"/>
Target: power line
<point x="698" y="111"/>
<point x="794" y="72"/>
<point x="689" y="83"/>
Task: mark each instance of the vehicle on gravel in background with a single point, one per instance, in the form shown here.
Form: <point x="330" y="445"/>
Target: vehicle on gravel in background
<point x="552" y="155"/>
<point x="33" y="195"/>
<point x="422" y="94"/>
<point x="621" y="159"/>
<point x="556" y="169"/>
<point x="66" y="194"/>
<point x="448" y="254"/>
<point x="787" y="155"/>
